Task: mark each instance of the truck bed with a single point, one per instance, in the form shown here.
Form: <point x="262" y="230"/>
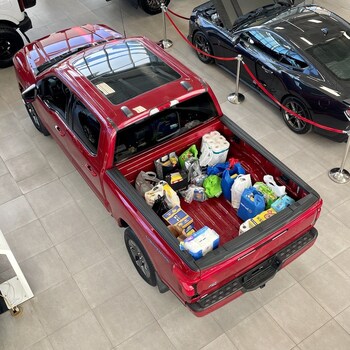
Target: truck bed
<point x="216" y="213"/>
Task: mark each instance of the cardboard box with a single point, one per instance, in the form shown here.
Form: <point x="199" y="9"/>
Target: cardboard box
<point x="176" y="216"/>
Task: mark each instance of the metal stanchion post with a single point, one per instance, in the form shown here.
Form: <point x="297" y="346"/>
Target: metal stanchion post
<point x="166" y="43"/>
<point x="341" y="175"/>
<point x="236" y="97"/>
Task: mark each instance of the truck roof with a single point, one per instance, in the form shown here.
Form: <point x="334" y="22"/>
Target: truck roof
<point x="123" y="79"/>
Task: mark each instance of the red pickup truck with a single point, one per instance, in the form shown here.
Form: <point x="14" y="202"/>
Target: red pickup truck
<point x="115" y="105"/>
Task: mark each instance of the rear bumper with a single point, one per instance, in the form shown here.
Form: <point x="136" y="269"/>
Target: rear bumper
<point x="25" y="24"/>
<point x="254" y="278"/>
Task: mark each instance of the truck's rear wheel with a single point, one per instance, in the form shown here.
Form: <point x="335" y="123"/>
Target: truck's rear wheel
<point x="139" y="257"/>
<point x="10" y="43"/>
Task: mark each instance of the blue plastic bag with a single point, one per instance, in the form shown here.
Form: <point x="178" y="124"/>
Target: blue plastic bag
<point x="228" y="179"/>
<point x="218" y="169"/>
<point x="252" y="203"/>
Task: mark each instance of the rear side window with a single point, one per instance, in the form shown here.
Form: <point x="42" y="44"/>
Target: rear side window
<point x="85" y="126"/>
<point x="164" y="126"/>
<point x="276" y="47"/>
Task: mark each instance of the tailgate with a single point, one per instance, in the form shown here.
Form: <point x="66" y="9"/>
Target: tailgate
<point x="258" y="245"/>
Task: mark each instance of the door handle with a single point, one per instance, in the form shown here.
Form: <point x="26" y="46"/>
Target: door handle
<point x="89" y="167"/>
<point x="58" y="129"/>
<point x="266" y="70"/>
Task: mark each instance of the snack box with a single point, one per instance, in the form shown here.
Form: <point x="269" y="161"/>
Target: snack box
<point x="201" y="242"/>
<point x="178" y="180"/>
<point x="258" y="219"/>
<point x="176" y="216"/>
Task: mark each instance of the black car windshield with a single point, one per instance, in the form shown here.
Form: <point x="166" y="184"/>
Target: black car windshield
<point x="334" y="54"/>
<point x="259" y="15"/>
<point x="125" y="70"/>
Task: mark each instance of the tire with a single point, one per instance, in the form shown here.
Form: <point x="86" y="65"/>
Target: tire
<point x="296" y="125"/>
<point x="36" y="120"/>
<point x="10" y="43"/>
<point x="202" y="43"/>
<point x="152" y="7"/>
<point x="139" y="257"/>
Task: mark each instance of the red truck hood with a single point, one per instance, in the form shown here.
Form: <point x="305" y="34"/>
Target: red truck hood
<point x="64" y="41"/>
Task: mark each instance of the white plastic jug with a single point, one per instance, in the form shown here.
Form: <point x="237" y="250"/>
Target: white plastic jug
<point x="241" y="183"/>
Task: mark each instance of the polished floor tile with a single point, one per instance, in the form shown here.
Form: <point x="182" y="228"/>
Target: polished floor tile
<point x="15" y="213"/>
<point x="260" y="331"/>
<point x="297" y="313"/>
<point x="206" y="329"/>
<point x="330" y="286"/>
<point x="123" y="316"/>
<point x="151" y="338"/>
<point x="83" y="333"/>
<point x="65" y="222"/>
<point x="102" y="281"/>
<point x="44" y="270"/>
<point x="330" y="336"/>
<point x="18" y="333"/>
<point x="82" y="250"/>
<point x="48" y="198"/>
<point x="59" y="305"/>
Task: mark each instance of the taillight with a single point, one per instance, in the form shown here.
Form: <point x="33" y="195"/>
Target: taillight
<point x="347" y="113"/>
<point x="187" y="288"/>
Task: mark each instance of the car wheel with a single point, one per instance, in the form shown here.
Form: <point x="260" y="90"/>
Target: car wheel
<point x="201" y="42"/>
<point x="139" y="257"/>
<point x="293" y="123"/>
<point x="10" y="43"/>
<point x="152" y="7"/>
<point x="36" y="120"/>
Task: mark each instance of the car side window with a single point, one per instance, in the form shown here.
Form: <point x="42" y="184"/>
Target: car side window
<point x="56" y="95"/>
<point x="277" y="48"/>
<point x="85" y="126"/>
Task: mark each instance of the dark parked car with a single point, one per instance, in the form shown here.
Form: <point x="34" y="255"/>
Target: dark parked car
<point x="152" y="7"/>
<point x="301" y="54"/>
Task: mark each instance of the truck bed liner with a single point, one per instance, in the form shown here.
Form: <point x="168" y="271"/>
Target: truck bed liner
<point x="217" y="213"/>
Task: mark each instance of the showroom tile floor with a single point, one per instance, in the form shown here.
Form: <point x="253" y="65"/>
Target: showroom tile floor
<point x="87" y="293"/>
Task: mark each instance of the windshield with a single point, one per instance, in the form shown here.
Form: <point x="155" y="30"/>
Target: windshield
<point x="125" y="70"/>
<point x="334" y="54"/>
<point x="164" y="126"/>
<point x="260" y="15"/>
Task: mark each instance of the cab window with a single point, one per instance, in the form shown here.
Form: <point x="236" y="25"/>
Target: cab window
<point x="85" y="126"/>
<point x="56" y="95"/>
<point x="164" y="126"/>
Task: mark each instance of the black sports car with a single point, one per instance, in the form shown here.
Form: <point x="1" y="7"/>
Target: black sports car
<point x="152" y="7"/>
<point x="301" y="54"/>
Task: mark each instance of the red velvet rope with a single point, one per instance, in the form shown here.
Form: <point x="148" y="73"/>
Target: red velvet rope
<point x="196" y="48"/>
<point x="177" y="15"/>
<point x="262" y="87"/>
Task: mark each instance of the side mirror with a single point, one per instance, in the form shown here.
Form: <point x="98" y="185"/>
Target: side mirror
<point x="235" y="40"/>
<point x="29" y="94"/>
